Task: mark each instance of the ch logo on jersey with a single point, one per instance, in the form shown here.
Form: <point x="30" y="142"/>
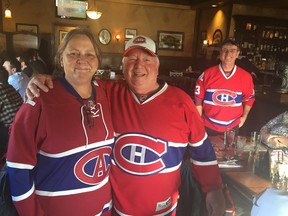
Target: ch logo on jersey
<point x="139" y="154"/>
<point x="224" y="97"/>
<point x="93" y="167"/>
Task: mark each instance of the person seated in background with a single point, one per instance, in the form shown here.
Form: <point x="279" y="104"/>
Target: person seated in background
<point x="245" y="62"/>
<point x="16" y="78"/>
<point x="26" y="69"/>
<point x="38" y="67"/>
<point x="275" y="132"/>
<point x="41" y="66"/>
<point x="10" y="102"/>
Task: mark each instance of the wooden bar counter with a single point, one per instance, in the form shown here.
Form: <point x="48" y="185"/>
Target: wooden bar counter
<point x="246" y="183"/>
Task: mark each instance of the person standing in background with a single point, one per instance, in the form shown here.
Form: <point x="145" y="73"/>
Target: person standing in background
<point x="224" y="94"/>
<point x="58" y="157"/>
<point x="26" y="69"/>
<point x="16" y="78"/>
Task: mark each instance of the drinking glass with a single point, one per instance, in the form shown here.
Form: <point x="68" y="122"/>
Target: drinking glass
<point x="255" y="137"/>
<point x="230" y="138"/>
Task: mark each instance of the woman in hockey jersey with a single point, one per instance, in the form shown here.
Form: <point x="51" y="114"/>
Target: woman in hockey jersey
<point x="59" y="150"/>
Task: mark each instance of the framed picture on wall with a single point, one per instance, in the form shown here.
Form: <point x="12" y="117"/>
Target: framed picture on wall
<point x="60" y="32"/>
<point x="170" y="40"/>
<point x="130" y="33"/>
<point x="27" y="28"/>
<point x="217" y="37"/>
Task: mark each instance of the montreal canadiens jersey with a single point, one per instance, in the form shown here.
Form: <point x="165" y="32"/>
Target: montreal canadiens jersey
<point x="224" y="97"/>
<point x="57" y="164"/>
<point x="151" y="139"/>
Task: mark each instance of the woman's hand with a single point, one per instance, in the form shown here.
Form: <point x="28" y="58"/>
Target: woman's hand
<point x="278" y="141"/>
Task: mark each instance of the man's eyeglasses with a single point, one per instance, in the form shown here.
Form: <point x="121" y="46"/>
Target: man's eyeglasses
<point x="232" y="51"/>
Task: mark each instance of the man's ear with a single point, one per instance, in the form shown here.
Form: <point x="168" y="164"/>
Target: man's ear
<point x="13" y="70"/>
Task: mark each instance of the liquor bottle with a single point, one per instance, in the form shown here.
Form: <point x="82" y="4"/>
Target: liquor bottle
<point x="276" y="34"/>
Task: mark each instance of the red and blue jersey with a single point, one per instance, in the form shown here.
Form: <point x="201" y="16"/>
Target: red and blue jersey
<point x="151" y="139"/>
<point x="57" y="163"/>
<point x="223" y="97"/>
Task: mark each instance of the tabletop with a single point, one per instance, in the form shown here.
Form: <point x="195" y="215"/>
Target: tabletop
<point x="237" y="166"/>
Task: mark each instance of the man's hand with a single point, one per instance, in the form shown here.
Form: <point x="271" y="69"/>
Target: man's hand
<point x="215" y="203"/>
<point x="42" y="81"/>
<point x="242" y="121"/>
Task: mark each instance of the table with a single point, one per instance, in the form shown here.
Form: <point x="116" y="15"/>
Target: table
<point x="240" y="180"/>
<point x="246" y="183"/>
<point x="241" y="174"/>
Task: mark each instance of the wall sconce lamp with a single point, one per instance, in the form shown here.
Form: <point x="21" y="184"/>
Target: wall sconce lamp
<point x="117" y="37"/>
<point x="93" y="13"/>
<point x="7" y="12"/>
<point x="205" y="44"/>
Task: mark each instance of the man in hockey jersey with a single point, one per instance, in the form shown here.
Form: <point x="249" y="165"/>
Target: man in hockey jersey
<point x="155" y="124"/>
<point x="59" y="149"/>
<point x="224" y="94"/>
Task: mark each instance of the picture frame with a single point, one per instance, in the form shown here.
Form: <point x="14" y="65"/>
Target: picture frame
<point x="217" y="37"/>
<point x="130" y="33"/>
<point x="27" y="28"/>
<point x="60" y="32"/>
<point x="104" y="36"/>
<point x="169" y="40"/>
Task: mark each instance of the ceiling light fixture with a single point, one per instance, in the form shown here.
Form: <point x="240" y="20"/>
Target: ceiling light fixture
<point x="93" y="13"/>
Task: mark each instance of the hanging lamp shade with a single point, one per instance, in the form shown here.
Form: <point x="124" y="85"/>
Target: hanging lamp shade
<point x="92" y="13"/>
